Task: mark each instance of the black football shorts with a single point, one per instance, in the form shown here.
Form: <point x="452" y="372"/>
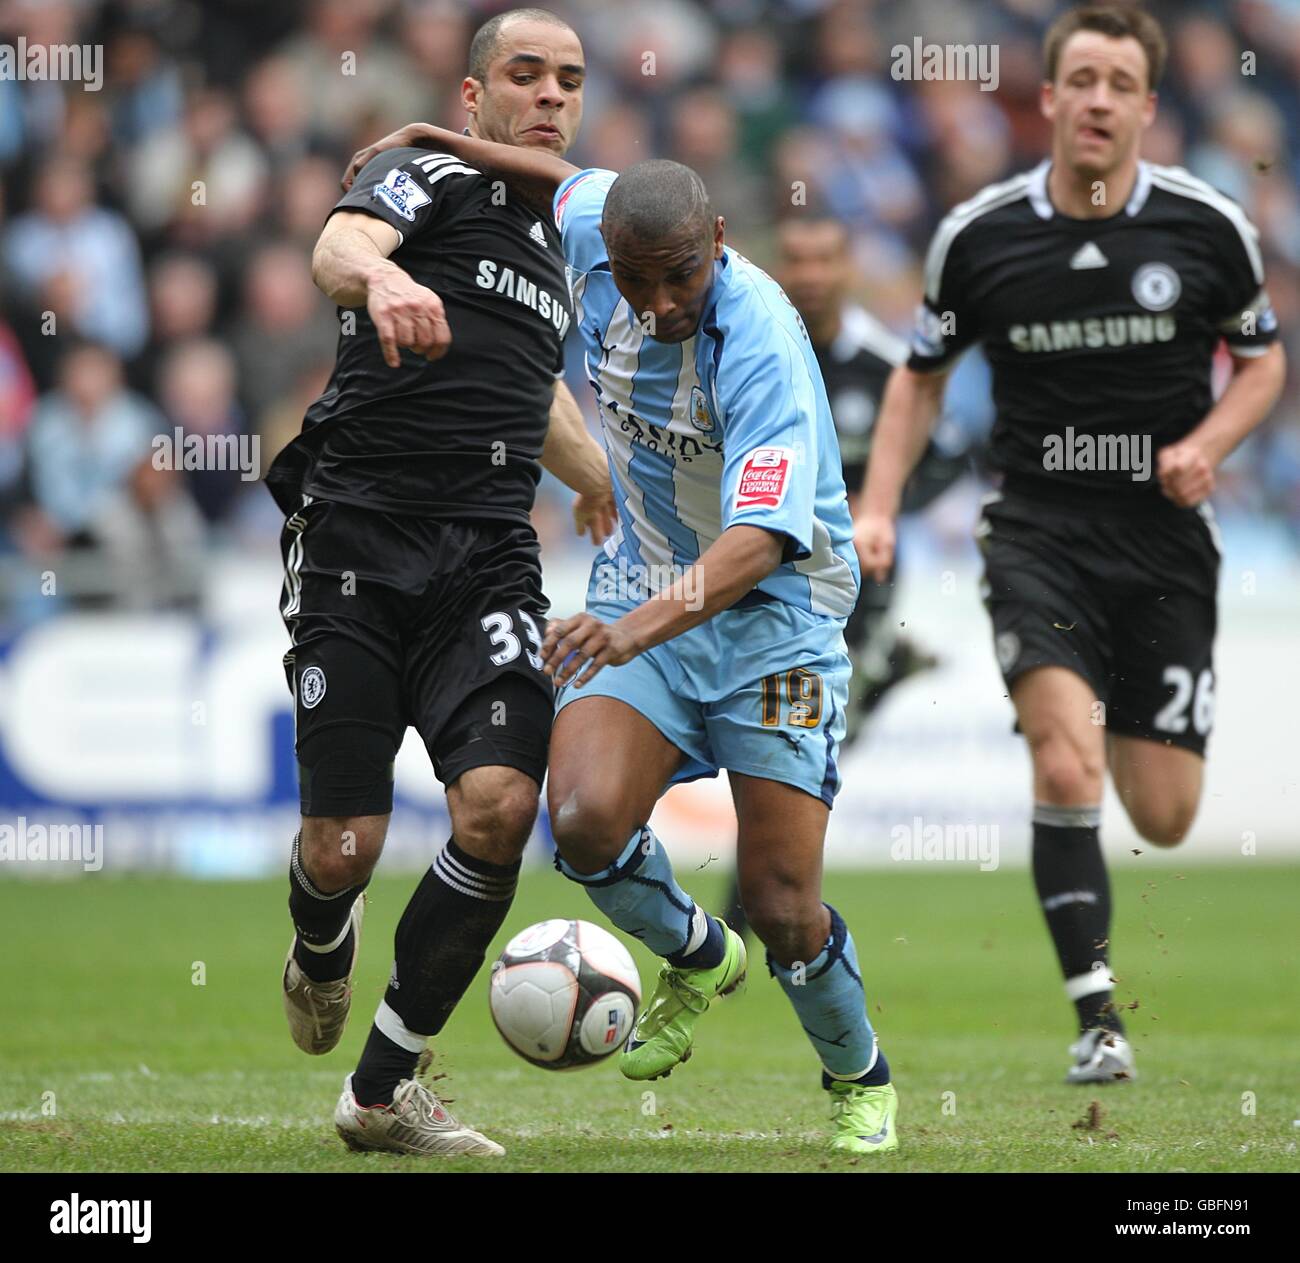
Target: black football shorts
<point x="1128" y="604"/>
<point x="401" y="621"/>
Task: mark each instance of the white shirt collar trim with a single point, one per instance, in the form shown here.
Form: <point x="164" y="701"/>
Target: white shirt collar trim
<point x="1042" y="203"/>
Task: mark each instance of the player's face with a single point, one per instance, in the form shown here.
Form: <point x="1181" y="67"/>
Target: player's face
<point x="1100" y="104"/>
<point x="666" y="283"/>
<point x="813" y="267"/>
<point x="533" y="93"/>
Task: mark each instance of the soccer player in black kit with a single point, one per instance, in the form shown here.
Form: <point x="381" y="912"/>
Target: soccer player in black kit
<point x="857" y="354"/>
<point x="412" y="584"/>
<point x="1099" y="286"/>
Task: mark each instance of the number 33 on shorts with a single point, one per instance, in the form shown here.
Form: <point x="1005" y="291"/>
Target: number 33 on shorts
<point x="505" y="644"/>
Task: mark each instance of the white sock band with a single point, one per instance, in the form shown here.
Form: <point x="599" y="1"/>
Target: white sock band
<point x="322" y="948"/>
<point x="1088" y="984"/>
<point x="871" y="1065"/>
<point x="1087" y="817"/>
<point x="395" y="1029"/>
<point x="699" y="931"/>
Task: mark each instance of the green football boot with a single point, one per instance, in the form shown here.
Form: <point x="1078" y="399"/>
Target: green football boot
<point x="665" y="1032"/>
<point x="862" y="1118"/>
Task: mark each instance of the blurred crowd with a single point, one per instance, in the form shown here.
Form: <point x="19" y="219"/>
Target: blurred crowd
<point x="155" y="235"/>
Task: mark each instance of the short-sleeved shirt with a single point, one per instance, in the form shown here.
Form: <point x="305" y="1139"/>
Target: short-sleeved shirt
<point x="856" y="365"/>
<point x="459" y="437"/>
<point x="731" y="427"/>
<point x="1100" y="333"/>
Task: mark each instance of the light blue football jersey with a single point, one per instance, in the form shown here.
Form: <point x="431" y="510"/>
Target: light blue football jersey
<point x="730" y="427"/>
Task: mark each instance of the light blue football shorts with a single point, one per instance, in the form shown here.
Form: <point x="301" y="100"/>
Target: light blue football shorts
<point x="760" y="689"/>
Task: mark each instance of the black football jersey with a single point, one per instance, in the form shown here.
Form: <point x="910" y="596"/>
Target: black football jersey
<point x="855" y="368"/>
<point x="459" y="437"/>
<point x="1100" y="332"/>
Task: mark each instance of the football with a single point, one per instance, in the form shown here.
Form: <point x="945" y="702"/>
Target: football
<point x="564" y="994"/>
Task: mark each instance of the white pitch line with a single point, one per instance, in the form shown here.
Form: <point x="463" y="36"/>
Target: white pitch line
<point x="518" y="1133"/>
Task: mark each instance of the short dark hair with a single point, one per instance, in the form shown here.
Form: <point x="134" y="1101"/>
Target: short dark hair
<point x="487" y="39"/>
<point x="1117" y="21"/>
<point x="816" y="219"/>
<point x="656" y="198"/>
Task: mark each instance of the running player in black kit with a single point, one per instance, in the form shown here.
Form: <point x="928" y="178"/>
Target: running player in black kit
<point x="1100" y="287"/>
<point x="413" y="590"/>
<point x="857" y="353"/>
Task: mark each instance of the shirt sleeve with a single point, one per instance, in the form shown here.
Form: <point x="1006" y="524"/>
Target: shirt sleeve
<point x="768" y="400"/>
<point x="579" y="204"/>
<point x="1245" y="316"/>
<point x="406" y="188"/>
<point x="945" y="326"/>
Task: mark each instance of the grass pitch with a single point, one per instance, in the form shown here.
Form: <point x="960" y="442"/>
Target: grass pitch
<point x="115" y="1059"/>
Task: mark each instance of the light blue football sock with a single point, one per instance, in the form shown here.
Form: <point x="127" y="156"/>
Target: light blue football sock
<point x="831" y="1005"/>
<point x="639" y="894"/>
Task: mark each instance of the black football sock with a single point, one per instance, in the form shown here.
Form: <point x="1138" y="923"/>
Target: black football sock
<point x="711" y="949"/>
<point x="876" y="1077"/>
<point x="441" y="940"/>
<point x="327" y="966"/>
<point x="1074" y="893"/>
<point x="323" y="948"/>
<point x="383" y="1065"/>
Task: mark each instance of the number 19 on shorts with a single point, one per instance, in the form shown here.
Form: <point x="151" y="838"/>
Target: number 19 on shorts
<point x="802" y="691"/>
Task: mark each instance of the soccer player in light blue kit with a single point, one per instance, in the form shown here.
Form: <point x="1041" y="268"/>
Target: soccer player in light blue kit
<point x="712" y="636"/>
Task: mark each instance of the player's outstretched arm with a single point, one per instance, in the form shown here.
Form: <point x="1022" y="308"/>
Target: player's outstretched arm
<point x="350" y="264"/>
<point x="729" y="568"/>
<point x="578" y="461"/>
<point x="1186" y="468"/>
<point x="907" y="415"/>
<point x="535" y="173"/>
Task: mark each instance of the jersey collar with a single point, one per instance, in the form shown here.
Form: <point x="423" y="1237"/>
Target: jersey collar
<point x="721" y="276"/>
<point x="848" y="341"/>
<point x="1044" y="209"/>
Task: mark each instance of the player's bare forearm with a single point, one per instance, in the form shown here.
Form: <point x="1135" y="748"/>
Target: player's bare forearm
<point x="1255" y="387"/>
<point x="727" y="570"/>
<point x="570" y="453"/>
<point x="578" y="461"/>
<point x="534" y="172"/>
<point x="907" y="415"/>
<point x="346" y="261"/>
<point x="908" y="411"/>
<point x="351" y="265"/>
<point x="730" y="567"/>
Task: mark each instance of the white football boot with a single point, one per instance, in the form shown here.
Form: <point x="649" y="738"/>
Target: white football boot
<point x="1101" y="1056"/>
<point x="415" y="1123"/>
<point x="318" y="1011"/>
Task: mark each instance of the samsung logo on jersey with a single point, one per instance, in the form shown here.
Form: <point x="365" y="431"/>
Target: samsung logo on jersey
<point x="505" y="280"/>
<point x="1092" y="335"/>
